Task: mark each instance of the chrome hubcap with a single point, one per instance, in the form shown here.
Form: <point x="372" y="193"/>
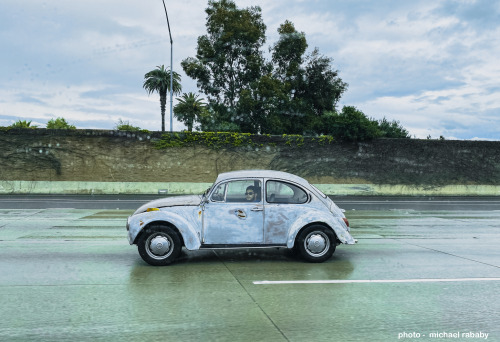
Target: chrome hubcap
<point x="159" y="246"/>
<point x="317" y="243"/>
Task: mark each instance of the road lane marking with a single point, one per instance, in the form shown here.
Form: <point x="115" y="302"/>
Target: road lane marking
<point x="363" y="281"/>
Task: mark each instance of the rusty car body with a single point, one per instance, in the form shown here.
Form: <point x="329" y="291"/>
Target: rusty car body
<point x="286" y="211"/>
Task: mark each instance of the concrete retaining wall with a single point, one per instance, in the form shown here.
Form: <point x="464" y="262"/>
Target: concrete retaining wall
<point x="108" y="162"/>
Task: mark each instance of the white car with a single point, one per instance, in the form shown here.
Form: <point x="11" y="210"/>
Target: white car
<point x="242" y="209"/>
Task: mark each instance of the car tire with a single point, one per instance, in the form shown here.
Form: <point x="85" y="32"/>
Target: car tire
<point x="159" y="245"/>
<point x="316" y="243"/>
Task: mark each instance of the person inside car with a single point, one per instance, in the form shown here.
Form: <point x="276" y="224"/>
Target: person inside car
<point x="252" y="194"/>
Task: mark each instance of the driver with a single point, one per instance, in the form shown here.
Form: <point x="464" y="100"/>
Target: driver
<point x="251" y="194"/>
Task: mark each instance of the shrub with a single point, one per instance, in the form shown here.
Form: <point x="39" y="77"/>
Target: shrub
<point x="126" y="126"/>
<point x="59" y="123"/>
<point x="392" y="129"/>
<point x="22" y="124"/>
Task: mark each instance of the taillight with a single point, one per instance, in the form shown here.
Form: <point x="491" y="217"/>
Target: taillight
<point x="346" y="221"/>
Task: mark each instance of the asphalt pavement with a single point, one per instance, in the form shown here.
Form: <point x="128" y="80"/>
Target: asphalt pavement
<point x="423" y="269"/>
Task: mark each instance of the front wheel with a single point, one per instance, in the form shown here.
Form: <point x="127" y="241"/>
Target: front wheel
<point x="159" y="246"/>
<point x="316" y="243"/>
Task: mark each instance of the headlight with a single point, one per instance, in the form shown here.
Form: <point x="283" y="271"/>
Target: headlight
<point x="152" y="209"/>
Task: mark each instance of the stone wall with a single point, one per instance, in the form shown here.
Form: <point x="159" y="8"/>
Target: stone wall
<point x="95" y="156"/>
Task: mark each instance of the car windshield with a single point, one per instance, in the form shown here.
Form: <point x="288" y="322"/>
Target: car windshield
<point x="204" y="196"/>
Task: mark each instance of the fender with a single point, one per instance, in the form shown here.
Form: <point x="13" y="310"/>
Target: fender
<point x="186" y="220"/>
<point x="337" y="224"/>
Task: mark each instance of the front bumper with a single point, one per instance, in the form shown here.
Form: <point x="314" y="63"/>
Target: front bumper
<point x="130" y="239"/>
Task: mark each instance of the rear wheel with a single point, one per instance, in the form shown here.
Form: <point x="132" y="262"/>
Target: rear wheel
<point x="159" y="245"/>
<point x="316" y="243"/>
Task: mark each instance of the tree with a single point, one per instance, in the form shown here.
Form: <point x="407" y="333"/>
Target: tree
<point x="288" y="94"/>
<point x="59" y="123"/>
<point x="392" y="129"/>
<point x="283" y="111"/>
<point x="158" y="80"/>
<point x="189" y="109"/>
<point x="322" y="87"/>
<point x="288" y="52"/>
<point x="350" y="124"/>
<point x="228" y="59"/>
<point x="309" y="87"/>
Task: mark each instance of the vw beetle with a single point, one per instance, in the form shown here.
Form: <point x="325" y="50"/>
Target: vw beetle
<point x="242" y="209"/>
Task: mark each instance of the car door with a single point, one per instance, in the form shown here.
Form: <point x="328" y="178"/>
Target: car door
<point x="285" y="202"/>
<point x="229" y="219"/>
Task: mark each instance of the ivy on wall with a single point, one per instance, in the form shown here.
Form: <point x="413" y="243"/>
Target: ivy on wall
<point x="217" y="140"/>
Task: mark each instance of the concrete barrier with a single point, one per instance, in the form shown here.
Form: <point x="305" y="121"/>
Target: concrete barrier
<point x="186" y="188"/>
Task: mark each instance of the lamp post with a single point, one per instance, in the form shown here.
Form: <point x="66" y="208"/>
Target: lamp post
<point x="171" y="70"/>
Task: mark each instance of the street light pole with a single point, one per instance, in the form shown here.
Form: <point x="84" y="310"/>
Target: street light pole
<point x="171" y="70"/>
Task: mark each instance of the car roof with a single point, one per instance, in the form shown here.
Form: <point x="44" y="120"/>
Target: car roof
<point x="262" y="174"/>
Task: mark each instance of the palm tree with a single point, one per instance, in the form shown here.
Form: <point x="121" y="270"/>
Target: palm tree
<point x="159" y="80"/>
<point x="189" y="109"/>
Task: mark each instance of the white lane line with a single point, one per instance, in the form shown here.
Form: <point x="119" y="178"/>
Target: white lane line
<point x="358" y="281"/>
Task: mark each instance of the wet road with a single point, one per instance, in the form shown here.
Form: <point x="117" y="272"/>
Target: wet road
<point x="68" y="273"/>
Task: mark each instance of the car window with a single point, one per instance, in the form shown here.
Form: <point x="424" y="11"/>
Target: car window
<point x="244" y="191"/>
<point x="219" y="193"/>
<point x="281" y="192"/>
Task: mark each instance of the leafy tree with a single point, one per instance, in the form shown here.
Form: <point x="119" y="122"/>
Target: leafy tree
<point x="59" y="123"/>
<point x="189" y="109"/>
<point x="22" y="124"/>
<point x="228" y="59"/>
<point x="322" y="87"/>
<point x="212" y="119"/>
<point x="288" y="52"/>
<point x="350" y="124"/>
<point x="262" y="105"/>
<point x="158" y="80"/>
<point x="284" y="110"/>
<point x="392" y="129"/>
<point x="309" y="87"/>
<point x="209" y="124"/>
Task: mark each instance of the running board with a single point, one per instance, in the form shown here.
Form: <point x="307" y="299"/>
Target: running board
<point x="236" y="246"/>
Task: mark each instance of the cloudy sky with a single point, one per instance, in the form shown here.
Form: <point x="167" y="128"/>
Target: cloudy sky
<point x="433" y="65"/>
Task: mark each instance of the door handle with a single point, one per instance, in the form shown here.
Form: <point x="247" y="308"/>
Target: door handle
<point x="257" y="209"/>
<point x="240" y="214"/>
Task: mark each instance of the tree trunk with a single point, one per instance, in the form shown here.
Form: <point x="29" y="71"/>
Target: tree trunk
<point x="163" y="102"/>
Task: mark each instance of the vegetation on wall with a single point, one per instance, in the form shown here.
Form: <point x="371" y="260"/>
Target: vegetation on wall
<point x="126" y="126"/>
<point x="218" y="140"/>
<point x="22" y="124"/>
<point x="59" y="123"/>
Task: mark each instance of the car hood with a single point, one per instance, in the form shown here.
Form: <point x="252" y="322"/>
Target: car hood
<point x="170" y="202"/>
